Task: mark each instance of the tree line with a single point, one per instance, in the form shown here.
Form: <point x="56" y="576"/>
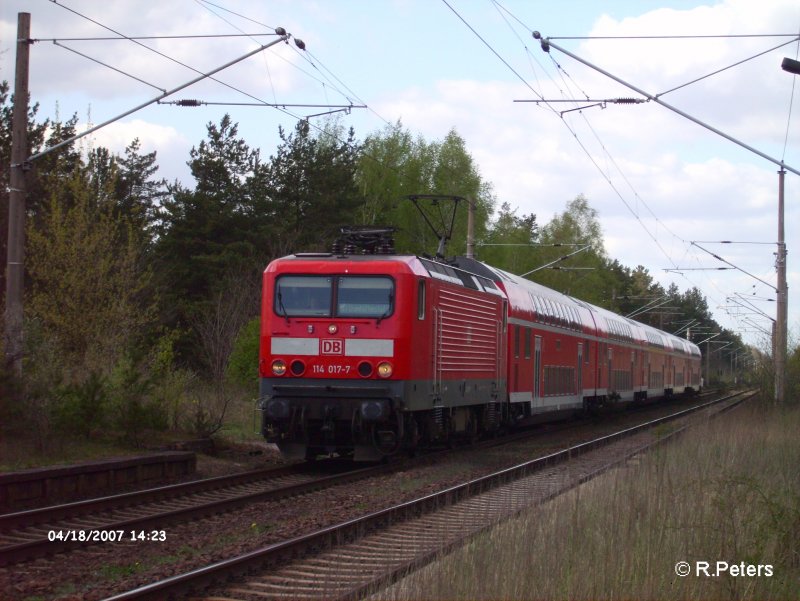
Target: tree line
<point x="142" y="295"/>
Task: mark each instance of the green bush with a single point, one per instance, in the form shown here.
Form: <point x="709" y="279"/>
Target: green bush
<point x="82" y="406"/>
<point x="243" y="363"/>
<point x="170" y="385"/>
<point x="134" y="409"/>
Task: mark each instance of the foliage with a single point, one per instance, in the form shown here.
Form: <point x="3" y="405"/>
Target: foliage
<point x="576" y="228"/>
<point x="209" y="232"/>
<point x="36" y="136"/>
<point x="153" y="289"/>
<point x="793" y="375"/>
<point x="508" y="243"/>
<point x="43" y="369"/>
<point x="243" y="363"/>
<point x="393" y="165"/>
<point x="170" y="383"/>
<point x="309" y="188"/>
<point x="134" y="409"/>
<point x="727" y="489"/>
<point x="82" y="406"/>
<point x="87" y="280"/>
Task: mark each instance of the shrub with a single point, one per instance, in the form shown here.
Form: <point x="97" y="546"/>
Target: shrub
<point x="243" y="363"/>
<point x="134" y="409"/>
<point x="82" y="406"/>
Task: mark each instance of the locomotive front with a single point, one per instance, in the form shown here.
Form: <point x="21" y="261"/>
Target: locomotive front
<point x="334" y="354"/>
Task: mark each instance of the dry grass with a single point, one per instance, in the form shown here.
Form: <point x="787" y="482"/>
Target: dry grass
<point x="727" y="491"/>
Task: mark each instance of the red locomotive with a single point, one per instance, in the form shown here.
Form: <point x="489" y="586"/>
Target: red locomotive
<point x="368" y="354"/>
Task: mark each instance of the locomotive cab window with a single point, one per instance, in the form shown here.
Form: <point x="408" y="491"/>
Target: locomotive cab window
<point x="364" y="297"/>
<point x="303" y="296"/>
<point x="313" y="296"/>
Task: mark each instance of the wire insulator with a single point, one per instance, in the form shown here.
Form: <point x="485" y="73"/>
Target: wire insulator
<point x="188" y="102"/>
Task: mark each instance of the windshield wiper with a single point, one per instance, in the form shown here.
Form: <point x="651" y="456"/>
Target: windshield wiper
<point x="281" y="308"/>
<point x="388" y="310"/>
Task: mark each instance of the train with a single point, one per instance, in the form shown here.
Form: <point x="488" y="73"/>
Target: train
<point x="366" y="353"/>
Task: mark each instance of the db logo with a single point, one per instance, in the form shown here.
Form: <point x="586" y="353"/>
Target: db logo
<point x="332" y="346"/>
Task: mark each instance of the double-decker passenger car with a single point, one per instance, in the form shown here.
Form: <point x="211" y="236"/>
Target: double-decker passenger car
<point x="366" y="355"/>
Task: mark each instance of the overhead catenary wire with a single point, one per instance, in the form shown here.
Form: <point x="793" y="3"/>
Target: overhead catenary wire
<point x="154" y="37"/>
<point x="674" y="37"/>
<point x="546" y="45"/>
<point x="202" y="76"/>
<point x="581" y="144"/>
<point x="153" y="50"/>
<point x="718" y="71"/>
<point x="181" y="63"/>
<point x="276" y="106"/>
<point x="259" y="101"/>
<point x="113" y="68"/>
<point x="791" y="105"/>
<point x="575" y="135"/>
<point x="266" y="62"/>
<point x="305" y="55"/>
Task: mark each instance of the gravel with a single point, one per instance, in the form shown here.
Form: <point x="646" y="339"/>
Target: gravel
<point x="105" y="569"/>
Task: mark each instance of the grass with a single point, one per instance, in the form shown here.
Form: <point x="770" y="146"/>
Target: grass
<point x="21" y="449"/>
<point x="20" y="452"/>
<point x="728" y="491"/>
<point x="241" y="422"/>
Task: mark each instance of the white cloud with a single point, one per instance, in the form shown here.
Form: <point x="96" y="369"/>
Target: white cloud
<point x="170" y="144"/>
<point x="423" y="66"/>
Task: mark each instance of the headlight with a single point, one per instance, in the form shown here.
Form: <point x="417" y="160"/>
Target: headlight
<point x="385" y="369"/>
<point x="279" y="367"/>
<point x="364" y="369"/>
<point x="298" y="367"/>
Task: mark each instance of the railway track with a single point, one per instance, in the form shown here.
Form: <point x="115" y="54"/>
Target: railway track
<point x="355" y="558"/>
<point x="30" y="534"/>
<point x="26" y="535"/>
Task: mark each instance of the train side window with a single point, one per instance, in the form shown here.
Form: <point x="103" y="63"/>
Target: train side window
<point x="550" y="313"/>
<point x="516" y="342"/>
<point x="542" y="309"/>
<point x="421" y="300"/>
<point x="587" y="348"/>
<point x="527" y="343"/>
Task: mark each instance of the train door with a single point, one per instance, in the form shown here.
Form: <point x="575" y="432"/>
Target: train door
<point x="631" y="384"/>
<point x="537" y="369"/>
<point x="642" y="382"/>
<point x="502" y="360"/>
<point x="579" y="370"/>
<point x="611" y="383"/>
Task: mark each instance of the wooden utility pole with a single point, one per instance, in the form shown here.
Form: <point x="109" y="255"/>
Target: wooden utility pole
<point x="16" y="199"/>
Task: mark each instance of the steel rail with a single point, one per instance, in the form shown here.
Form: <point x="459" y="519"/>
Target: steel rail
<point x="43" y="520"/>
<point x="271" y="556"/>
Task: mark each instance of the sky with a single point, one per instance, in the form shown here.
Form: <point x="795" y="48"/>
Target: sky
<point x="667" y="189"/>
